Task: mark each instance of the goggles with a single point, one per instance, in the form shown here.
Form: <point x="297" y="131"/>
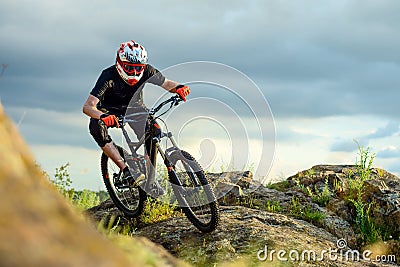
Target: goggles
<point x="132" y="68"/>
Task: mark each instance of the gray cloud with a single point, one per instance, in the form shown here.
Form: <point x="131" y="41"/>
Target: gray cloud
<point x="310" y="60"/>
<point x="390" y="129"/>
<point x="39" y="126"/>
<point x="394" y="168"/>
<point x="389" y="152"/>
<point x="346" y="145"/>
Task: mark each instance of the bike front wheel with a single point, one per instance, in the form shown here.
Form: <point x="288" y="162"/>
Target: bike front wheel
<point x="130" y="200"/>
<point x="193" y="191"/>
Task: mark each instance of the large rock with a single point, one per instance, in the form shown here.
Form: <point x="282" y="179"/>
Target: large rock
<point x="244" y="235"/>
<point x="230" y="185"/>
<point x="244" y="231"/>
<point x="331" y="222"/>
<point x="38" y="228"/>
<point x="248" y="192"/>
<point x="381" y="190"/>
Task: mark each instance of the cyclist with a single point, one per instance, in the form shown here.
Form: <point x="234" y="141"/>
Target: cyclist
<point x="118" y="89"/>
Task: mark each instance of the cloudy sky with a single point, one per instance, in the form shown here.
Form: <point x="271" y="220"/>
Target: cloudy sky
<point x="329" y="71"/>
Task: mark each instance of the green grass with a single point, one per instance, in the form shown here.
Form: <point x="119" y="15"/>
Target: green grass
<point x="273" y="206"/>
<point x="300" y="186"/>
<point x="111" y="226"/>
<point x="297" y="210"/>
<point x="85" y="199"/>
<point x="280" y="186"/>
<point x="370" y="232"/>
<point x="363" y="221"/>
<point x="81" y="199"/>
<point x="321" y="197"/>
<point x="251" y="201"/>
<point x="156" y="211"/>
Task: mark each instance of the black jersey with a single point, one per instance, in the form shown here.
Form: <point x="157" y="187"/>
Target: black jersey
<point x="116" y="95"/>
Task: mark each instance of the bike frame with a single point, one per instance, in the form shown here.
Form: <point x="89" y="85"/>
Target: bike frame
<point x="182" y="169"/>
<point x="135" y="146"/>
<point x="151" y="141"/>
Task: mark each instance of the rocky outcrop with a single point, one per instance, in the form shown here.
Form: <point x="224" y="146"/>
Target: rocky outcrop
<point x="251" y="235"/>
<point x="38" y="228"/>
<point x="381" y="190"/>
<point x="384" y="192"/>
<point x="284" y="215"/>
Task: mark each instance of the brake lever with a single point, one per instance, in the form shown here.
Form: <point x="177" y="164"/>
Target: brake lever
<point x="120" y="120"/>
<point x="177" y="100"/>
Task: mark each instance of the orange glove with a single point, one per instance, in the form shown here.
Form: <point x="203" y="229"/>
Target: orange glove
<point x="109" y="120"/>
<point x="183" y="91"/>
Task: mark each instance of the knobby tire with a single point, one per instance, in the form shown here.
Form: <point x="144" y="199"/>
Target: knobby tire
<point x="193" y="167"/>
<point x="121" y="198"/>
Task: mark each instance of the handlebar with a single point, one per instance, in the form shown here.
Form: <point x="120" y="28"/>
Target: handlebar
<point x="174" y="99"/>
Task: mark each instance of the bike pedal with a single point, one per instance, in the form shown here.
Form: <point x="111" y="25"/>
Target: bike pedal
<point x="138" y="180"/>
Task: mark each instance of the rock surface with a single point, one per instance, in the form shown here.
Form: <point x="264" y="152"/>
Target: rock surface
<point x="381" y="189"/>
<point x="248" y="225"/>
<point x="243" y="234"/>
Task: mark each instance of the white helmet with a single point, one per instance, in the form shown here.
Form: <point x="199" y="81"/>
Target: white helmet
<point x="131" y="61"/>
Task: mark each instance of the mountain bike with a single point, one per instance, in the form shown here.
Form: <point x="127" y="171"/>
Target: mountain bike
<point x="191" y="190"/>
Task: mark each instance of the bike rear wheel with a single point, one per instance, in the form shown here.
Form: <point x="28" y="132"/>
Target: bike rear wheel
<point x="194" y="191"/>
<point x="130" y="200"/>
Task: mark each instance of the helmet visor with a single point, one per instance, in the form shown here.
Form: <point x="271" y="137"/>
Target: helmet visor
<point x="131" y="68"/>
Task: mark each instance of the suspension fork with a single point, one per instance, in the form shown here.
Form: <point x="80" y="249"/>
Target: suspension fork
<point x="171" y="170"/>
<point x="163" y="154"/>
<point x="172" y="139"/>
<point x="167" y="163"/>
